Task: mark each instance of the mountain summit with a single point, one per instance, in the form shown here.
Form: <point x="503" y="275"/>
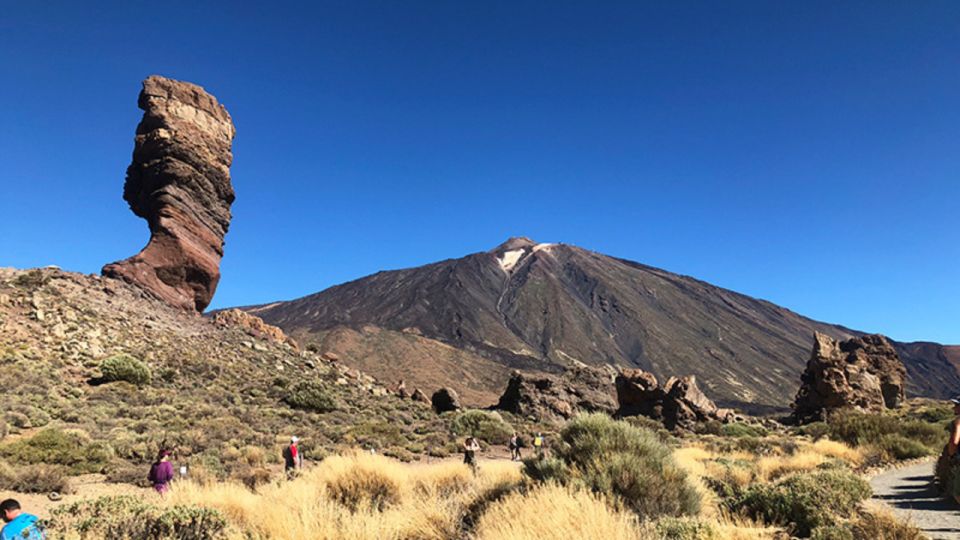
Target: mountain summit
<point x="468" y="322"/>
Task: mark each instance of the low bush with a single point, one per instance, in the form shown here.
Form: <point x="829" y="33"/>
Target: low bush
<point x="742" y="430"/>
<point x="628" y="465"/>
<point x="53" y="446"/>
<point x="34" y="479"/>
<point x="125" y="517"/>
<point x="310" y="396"/>
<point x="488" y="426"/>
<point x="685" y="529"/>
<point x="123" y="367"/>
<point x="900" y="438"/>
<point x="366" y="484"/>
<point x="805" y="501"/>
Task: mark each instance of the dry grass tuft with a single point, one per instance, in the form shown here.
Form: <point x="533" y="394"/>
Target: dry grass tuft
<point x="552" y="511"/>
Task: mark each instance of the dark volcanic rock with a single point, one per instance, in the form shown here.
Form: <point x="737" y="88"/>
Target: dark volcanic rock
<point x="445" y="399"/>
<point x="179" y="181"/>
<point x="549" y="397"/>
<point x="678" y="404"/>
<point x="862" y="373"/>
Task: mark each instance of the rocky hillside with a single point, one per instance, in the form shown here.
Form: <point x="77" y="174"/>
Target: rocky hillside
<point x="113" y="373"/>
<point x="467" y="322"/>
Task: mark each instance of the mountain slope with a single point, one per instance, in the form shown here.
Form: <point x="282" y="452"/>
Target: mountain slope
<point x="546" y="306"/>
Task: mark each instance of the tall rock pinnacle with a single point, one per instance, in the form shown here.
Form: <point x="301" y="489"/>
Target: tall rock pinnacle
<point x="179" y="181"/>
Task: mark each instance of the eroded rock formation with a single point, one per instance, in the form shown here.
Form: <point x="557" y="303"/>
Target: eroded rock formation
<point x="862" y="373"/>
<point x="179" y="181"/>
<point x="553" y="398"/>
<point x="678" y="404"/>
<point x="253" y="326"/>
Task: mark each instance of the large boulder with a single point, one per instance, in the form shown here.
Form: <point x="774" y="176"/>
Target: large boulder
<point x="553" y="398"/>
<point x="179" y="181"/>
<point x="863" y="373"/>
<point x="446" y="399"/>
<point x="679" y="404"/>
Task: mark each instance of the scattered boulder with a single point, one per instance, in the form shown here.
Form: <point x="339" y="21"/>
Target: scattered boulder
<point x="418" y="395"/>
<point x="678" y="404"/>
<point x="553" y="398"/>
<point x="253" y="326"/>
<point x="402" y="390"/>
<point x="446" y="399"/>
<point x="179" y="181"/>
<point x="863" y="373"/>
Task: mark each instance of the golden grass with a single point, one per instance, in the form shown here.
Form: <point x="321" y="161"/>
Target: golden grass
<point x="356" y="496"/>
<point x="553" y="511"/>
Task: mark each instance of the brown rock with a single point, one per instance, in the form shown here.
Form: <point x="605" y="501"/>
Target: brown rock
<point x="252" y="325"/>
<point x="549" y="397"/>
<point x="446" y="399"/>
<point x="179" y="181"/>
<point x="862" y="373"/>
<point x="678" y="404"/>
<point x="418" y="395"/>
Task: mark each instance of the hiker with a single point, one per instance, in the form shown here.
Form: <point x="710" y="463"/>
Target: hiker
<point x="19" y="524"/>
<point x="948" y="466"/>
<point x="161" y="472"/>
<point x="292" y="458"/>
<point x="470" y="449"/>
<point x="514" y="446"/>
<point x="538" y="444"/>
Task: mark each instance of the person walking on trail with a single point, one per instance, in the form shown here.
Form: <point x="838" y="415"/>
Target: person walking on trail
<point x="292" y="457"/>
<point x="948" y="466"/>
<point x="161" y="472"/>
<point x="538" y="444"/>
<point x="19" y="524"/>
<point x="470" y="449"/>
<point x="514" y="446"/>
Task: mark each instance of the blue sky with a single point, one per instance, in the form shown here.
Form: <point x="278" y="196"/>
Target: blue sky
<point x="801" y="152"/>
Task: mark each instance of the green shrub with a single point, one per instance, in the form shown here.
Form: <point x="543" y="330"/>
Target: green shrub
<point x="53" y="446"/>
<point x="485" y="425"/>
<point x="627" y="464"/>
<point x="742" y="430"/>
<point x="671" y="528"/>
<point x="832" y="532"/>
<point x="123" y="367"/>
<point x="936" y="415"/>
<point x="816" y="430"/>
<point x="805" y="501"/>
<point x="857" y="428"/>
<point x="310" y="396"/>
<point x="900" y="447"/>
<point x="124" y="517"/>
<point x="38" y="478"/>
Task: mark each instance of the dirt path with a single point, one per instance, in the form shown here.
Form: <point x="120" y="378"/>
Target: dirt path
<point x="910" y="492"/>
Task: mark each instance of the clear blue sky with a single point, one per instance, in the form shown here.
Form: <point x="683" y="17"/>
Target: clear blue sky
<point x="807" y="153"/>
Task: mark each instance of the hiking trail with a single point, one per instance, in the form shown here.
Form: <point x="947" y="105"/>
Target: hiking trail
<point x="911" y="494"/>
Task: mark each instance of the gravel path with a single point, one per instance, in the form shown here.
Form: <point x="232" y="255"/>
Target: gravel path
<point x="910" y="492"/>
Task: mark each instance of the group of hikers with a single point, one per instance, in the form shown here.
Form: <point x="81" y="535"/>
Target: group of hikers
<point x="471" y="446"/>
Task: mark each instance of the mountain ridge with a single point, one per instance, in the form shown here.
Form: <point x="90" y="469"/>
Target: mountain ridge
<point x="544" y="307"/>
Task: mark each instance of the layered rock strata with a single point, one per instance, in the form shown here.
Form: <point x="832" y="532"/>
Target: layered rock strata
<point x="179" y="182"/>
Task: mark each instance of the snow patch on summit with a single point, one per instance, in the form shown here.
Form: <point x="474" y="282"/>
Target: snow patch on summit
<point x="510" y="259"/>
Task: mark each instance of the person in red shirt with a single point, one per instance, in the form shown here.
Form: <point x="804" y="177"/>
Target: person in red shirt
<point x="292" y="457"/>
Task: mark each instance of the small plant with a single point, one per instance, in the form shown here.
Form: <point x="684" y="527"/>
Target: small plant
<point x="310" y="396"/>
<point x="123" y="367"/>
<point x="67" y="448"/>
<point x="742" y="430"/>
<point x="123" y="517"/>
<point x="485" y="425"/>
<point x="670" y="528"/>
<point x="805" y="501"/>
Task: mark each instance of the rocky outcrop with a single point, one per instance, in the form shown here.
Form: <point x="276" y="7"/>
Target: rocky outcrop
<point x="418" y="395"/>
<point x="446" y="399"/>
<point x="862" y="373"/>
<point x="678" y="404"/>
<point x="553" y="398"/>
<point x="179" y="181"/>
<point x="252" y="325"/>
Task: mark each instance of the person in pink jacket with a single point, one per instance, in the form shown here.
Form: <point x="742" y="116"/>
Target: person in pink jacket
<point x="161" y="472"/>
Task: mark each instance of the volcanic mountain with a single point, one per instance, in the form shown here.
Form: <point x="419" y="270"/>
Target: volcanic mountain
<point x="468" y="322"/>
